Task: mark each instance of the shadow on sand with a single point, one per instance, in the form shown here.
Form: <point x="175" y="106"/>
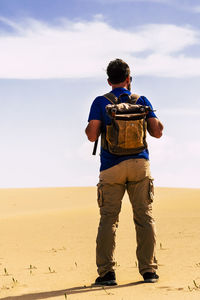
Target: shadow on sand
<point x="70" y="291"/>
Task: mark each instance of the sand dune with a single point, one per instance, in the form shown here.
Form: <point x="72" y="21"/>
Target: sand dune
<point x="47" y="246"/>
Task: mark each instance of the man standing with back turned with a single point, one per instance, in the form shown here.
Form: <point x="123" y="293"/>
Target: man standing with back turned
<point x="121" y="171"/>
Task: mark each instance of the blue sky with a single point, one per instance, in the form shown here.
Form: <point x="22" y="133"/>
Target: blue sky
<point x="53" y="56"/>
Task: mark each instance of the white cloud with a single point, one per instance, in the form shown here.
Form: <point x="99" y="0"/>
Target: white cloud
<point x="195" y="9"/>
<point x="175" y="162"/>
<point x="181" y="112"/>
<point x="160" y="65"/>
<point x="83" y="49"/>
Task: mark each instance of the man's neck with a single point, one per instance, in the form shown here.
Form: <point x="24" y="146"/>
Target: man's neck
<point x="122" y="85"/>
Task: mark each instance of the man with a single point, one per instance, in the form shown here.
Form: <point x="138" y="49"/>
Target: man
<point x="119" y="173"/>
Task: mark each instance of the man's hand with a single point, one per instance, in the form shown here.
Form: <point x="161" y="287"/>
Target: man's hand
<point x="93" y="130"/>
<point x="154" y="127"/>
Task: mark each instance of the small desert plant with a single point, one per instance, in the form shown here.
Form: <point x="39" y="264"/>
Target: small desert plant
<point x="195" y="287"/>
<point x="31" y="267"/>
<point x="14" y="280"/>
<point x="51" y="271"/>
<point x="6" y="272"/>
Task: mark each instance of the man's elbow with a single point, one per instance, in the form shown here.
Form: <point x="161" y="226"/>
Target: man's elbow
<point x="93" y="130"/>
<point x="155" y="128"/>
<point x="91" y="137"/>
<point x="157" y="134"/>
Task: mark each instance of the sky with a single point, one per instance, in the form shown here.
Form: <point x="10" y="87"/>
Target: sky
<point x="53" y="59"/>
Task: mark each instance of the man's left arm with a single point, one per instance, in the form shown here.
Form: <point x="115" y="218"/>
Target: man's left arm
<point x="154" y="127"/>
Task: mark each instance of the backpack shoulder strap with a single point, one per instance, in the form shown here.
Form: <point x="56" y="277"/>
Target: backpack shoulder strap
<point x="134" y="98"/>
<point x="114" y="100"/>
<point x="111" y="97"/>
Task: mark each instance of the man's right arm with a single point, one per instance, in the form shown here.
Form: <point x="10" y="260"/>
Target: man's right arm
<point x="93" y="130"/>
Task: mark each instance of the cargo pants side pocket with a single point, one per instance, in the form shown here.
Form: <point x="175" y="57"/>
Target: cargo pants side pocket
<point x="151" y="190"/>
<point x="99" y="195"/>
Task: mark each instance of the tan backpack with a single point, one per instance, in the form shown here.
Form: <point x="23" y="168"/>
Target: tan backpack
<point x="126" y="135"/>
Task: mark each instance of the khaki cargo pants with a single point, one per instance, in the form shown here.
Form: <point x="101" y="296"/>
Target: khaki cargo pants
<point x="134" y="176"/>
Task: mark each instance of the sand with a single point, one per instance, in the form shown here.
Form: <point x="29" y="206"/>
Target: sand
<point x="47" y="246"/>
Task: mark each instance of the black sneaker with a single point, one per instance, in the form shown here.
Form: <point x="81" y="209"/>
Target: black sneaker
<point x="150" y="277"/>
<point x="108" y="279"/>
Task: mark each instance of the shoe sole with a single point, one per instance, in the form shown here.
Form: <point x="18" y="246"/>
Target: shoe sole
<point x="153" y="280"/>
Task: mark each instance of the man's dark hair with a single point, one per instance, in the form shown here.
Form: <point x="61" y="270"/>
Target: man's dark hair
<point x="117" y="71"/>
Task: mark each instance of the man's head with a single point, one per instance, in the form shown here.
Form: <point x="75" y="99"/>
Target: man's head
<point x="118" y="71"/>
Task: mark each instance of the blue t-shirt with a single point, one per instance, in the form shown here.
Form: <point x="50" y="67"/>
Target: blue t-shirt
<point x="98" y="112"/>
